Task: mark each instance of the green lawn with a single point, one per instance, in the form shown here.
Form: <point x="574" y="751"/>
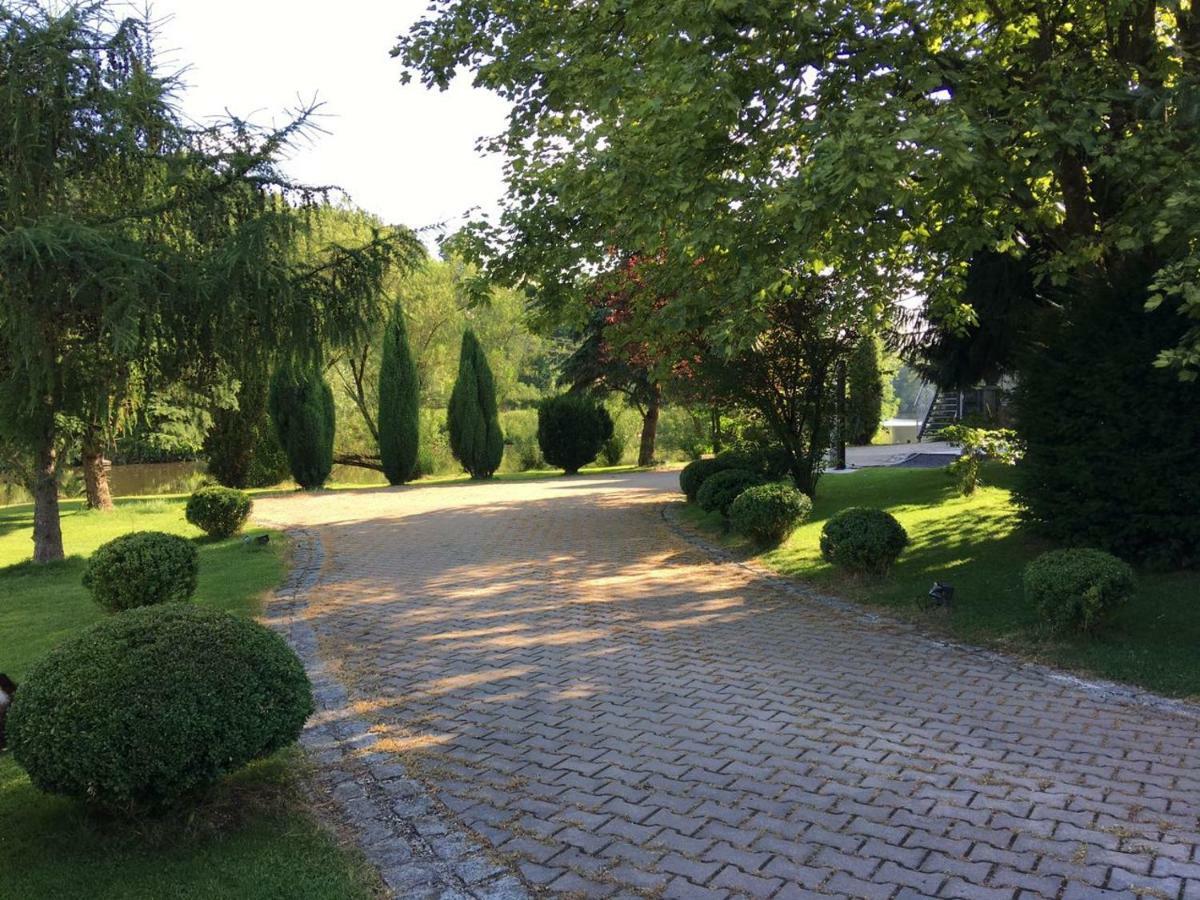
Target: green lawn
<point x="252" y="838"/>
<point x="976" y="544"/>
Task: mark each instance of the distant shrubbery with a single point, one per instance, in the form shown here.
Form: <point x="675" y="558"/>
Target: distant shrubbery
<point x="694" y="474"/>
<point x="520" y="436"/>
<point x="572" y="430"/>
<point x="142" y="569"/>
<point x="613" y="451"/>
<point x="301" y="406"/>
<point x="719" y="490"/>
<point x="769" y="463"/>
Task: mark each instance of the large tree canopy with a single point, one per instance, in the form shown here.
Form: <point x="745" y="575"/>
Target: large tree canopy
<point x="139" y="249"/>
<point x="908" y="147"/>
<point x="673" y="131"/>
<point x="898" y="138"/>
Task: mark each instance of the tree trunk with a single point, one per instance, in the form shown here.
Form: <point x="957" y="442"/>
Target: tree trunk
<point x="95" y="472"/>
<point x="47" y="530"/>
<point x="840" y="447"/>
<point x="715" y="420"/>
<point x="650" y="430"/>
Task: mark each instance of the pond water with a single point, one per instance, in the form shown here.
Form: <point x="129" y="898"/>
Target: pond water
<point x="125" y="481"/>
<point x="142" y="479"/>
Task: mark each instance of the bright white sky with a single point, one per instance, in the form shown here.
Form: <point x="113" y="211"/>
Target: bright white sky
<point x="405" y="153"/>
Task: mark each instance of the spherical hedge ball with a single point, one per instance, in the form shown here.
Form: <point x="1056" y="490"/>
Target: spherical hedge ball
<point x="768" y="513"/>
<point x="1077" y="589"/>
<point x="720" y="490"/>
<point x="218" y="511"/>
<point x="146" y="709"/>
<point x="142" y="569"/>
<point x="862" y="540"/>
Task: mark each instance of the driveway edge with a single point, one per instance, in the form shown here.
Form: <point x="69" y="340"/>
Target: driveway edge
<point x="418" y="850"/>
<point x="1108" y="691"/>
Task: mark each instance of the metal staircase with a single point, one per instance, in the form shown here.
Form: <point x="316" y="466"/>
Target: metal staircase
<point x="946" y="409"/>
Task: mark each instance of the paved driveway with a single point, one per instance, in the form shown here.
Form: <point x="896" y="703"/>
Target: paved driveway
<point x="613" y="712"/>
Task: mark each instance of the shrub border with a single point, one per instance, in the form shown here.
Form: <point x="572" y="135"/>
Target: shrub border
<point x="1101" y="691"/>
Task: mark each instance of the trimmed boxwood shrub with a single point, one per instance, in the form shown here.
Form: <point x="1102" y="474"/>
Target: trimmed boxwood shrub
<point x="218" y="511"/>
<point x="572" y="429"/>
<point x="1077" y="589"/>
<point x="142" y="569"/>
<point x="770" y="462"/>
<point x="863" y="540"/>
<point x="145" y="709"/>
<point x="769" y="512"/>
<point x="720" y="490"/>
<point x="694" y="474"/>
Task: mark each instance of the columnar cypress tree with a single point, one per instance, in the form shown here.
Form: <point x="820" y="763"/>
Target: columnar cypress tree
<point x="301" y="406"/>
<point x="864" y="380"/>
<point x="399" y="402"/>
<point x="472" y="420"/>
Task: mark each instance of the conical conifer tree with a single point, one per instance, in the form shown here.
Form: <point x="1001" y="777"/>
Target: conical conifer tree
<point x="399" y="403"/>
<point x="472" y="420"/>
<point x="301" y="405"/>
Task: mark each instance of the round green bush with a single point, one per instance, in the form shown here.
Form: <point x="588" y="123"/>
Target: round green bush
<point x="146" y="709"/>
<point x="142" y="569"/>
<point x="693" y="475"/>
<point x="720" y="490"/>
<point x="769" y="512"/>
<point x="218" y="511"/>
<point x="863" y="540"/>
<point x="572" y="430"/>
<point x="768" y="460"/>
<point x="1077" y="589"/>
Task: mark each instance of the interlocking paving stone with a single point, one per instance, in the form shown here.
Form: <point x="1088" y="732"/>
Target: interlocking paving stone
<point x="550" y="670"/>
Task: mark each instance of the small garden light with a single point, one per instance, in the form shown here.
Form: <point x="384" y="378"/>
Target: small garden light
<point x="942" y="594"/>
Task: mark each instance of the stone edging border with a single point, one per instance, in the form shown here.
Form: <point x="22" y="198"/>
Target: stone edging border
<point x="419" y="851"/>
<point x="1106" y="691"/>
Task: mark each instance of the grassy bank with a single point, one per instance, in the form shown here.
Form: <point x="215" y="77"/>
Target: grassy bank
<point x="252" y="838"/>
<point x="978" y="545"/>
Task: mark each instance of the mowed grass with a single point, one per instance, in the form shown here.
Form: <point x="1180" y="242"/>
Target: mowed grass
<point x="978" y="545"/>
<point x="253" y="837"/>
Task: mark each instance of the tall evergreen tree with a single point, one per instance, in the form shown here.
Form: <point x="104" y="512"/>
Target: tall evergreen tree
<point x="301" y="405"/>
<point x="865" y="389"/>
<point x="242" y="446"/>
<point x="137" y="248"/>
<point x="472" y="420"/>
<point x="399" y="402"/>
